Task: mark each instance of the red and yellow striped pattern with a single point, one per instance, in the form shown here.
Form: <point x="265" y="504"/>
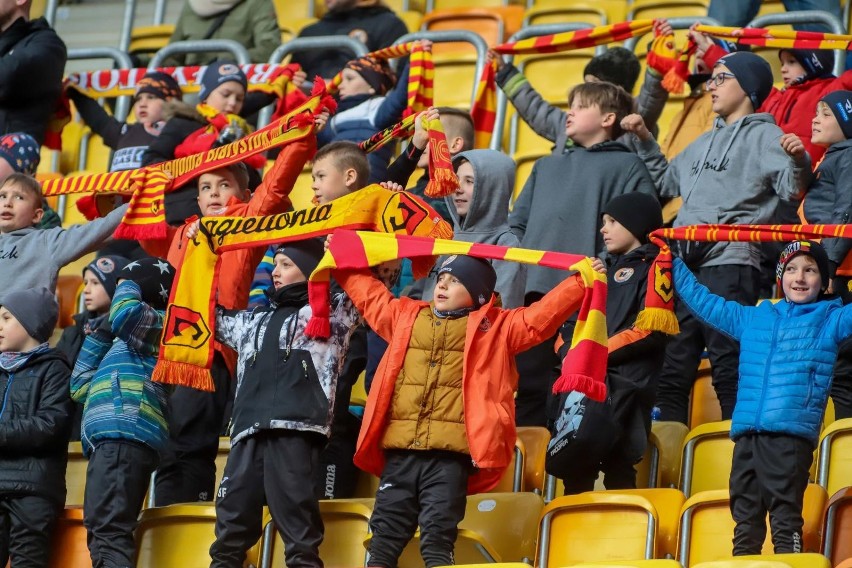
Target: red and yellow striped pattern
<point x="779" y="38"/>
<point x="584" y="367"/>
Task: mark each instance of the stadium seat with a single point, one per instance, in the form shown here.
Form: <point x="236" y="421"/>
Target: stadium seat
<point x="493" y="24"/>
<point x="359" y="393"/>
<point x="772" y="7"/>
<point x="346" y="527"/>
<point x="807" y="560"/>
<point x="670" y="436"/>
<point x="366" y="486"/>
<point x="668" y="503"/>
<point x="590" y="14"/>
<point x="513" y="476"/>
<point x="49" y="161"/>
<point x="706" y="458"/>
<point x="75" y="475"/>
<point x="412" y="19"/>
<point x="497" y="527"/>
<point x="432" y="5"/>
<point x="649" y="9"/>
<point x="290" y="27"/>
<point x="94" y="154"/>
<point x="177" y="535"/>
<point x="834" y="462"/>
<point x="535" y="441"/>
<point x="221" y="460"/>
<point x="150" y="39"/>
<point x="631" y="563"/>
<point x="703" y="403"/>
<point x="596" y="526"/>
<point x="287" y="10"/>
<point x="68" y="289"/>
<point x="69" y="157"/>
<point x="69" y="548"/>
<point x="837" y="531"/>
<point x="616" y="10"/>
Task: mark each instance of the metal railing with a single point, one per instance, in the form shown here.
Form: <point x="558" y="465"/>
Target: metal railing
<point x="235" y="48"/>
<point x="681" y="23"/>
<point x="834" y="26"/>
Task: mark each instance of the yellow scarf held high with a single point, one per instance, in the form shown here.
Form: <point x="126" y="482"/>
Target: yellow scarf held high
<point x="584" y="367"/>
<point x="186" y="347"/>
<point x="779" y="38"/>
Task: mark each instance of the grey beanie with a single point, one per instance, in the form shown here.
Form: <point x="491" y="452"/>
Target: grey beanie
<point x="753" y="74"/>
<point x="36" y="309"/>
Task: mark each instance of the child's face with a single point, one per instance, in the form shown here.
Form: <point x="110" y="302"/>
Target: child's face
<point x="285" y="272"/>
<point x="148" y="108"/>
<point x="329" y="182"/>
<point x="801" y="281"/>
<point x="586" y="124"/>
<point x="227" y="97"/>
<point x="617" y="239"/>
<point x="464" y="194"/>
<point x="825" y="130"/>
<point x="728" y="98"/>
<point x="790" y="68"/>
<point x="13" y="336"/>
<point x="19" y="208"/>
<point x="215" y="189"/>
<point x="95" y="296"/>
<point x="353" y="83"/>
<point x="450" y="294"/>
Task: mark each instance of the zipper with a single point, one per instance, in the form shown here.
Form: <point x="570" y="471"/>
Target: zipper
<point x="766" y="374"/>
<point x="256" y="338"/>
<point x="6" y="393"/>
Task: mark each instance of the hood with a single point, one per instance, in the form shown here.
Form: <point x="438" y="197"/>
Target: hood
<point x="839" y="146"/>
<point x="607" y="146"/>
<point x="180" y="109"/>
<point x="50" y="355"/>
<point x="23" y="231"/>
<point x="494" y="182"/>
<point x="207" y="8"/>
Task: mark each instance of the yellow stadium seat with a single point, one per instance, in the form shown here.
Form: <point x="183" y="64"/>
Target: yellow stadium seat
<point x="497" y="527"/>
<point x="706" y="458"/>
<point x="222" y="459"/>
<point x="75" y="475"/>
<point x="616" y="10"/>
<point x="177" y="535"/>
<point x="302" y="195"/>
<point x="535" y="439"/>
<point x="670" y="436"/>
<point x="367" y="485"/>
<point x="457" y="70"/>
<point x="294" y="9"/>
<point x="69" y="548"/>
<point x="807" y="560"/>
<point x="834" y="461"/>
<point x="48" y="161"/>
<point x="591" y="14"/>
<point x="69" y="157"/>
<point x="412" y="19"/>
<point x="553" y="76"/>
<point x="668" y="503"/>
<point x="346" y="526"/>
<point x="837" y="531"/>
<point x="631" y="563"/>
<point x="456" y="4"/>
<point x="649" y="9"/>
<point x="827" y="420"/>
<point x="290" y="27"/>
<point x="98" y="155"/>
<point x="703" y="403"/>
<point x="513" y="476"/>
<point x="771" y="7"/>
<point x="68" y="289"/>
<point x="493" y="24"/>
<point x="596" y="526"/>
<point x="359" y="392"/>
<point x="150" y="39"/>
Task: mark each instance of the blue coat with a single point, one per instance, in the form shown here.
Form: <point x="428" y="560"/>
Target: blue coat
<point x="787" y="353"/>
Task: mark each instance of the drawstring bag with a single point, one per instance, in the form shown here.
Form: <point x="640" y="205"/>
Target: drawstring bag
<point x="583" y="432"/>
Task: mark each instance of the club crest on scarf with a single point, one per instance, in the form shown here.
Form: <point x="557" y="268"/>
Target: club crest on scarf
<point x="185" y="327"/>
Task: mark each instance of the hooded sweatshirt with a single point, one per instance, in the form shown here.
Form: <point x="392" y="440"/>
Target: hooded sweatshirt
<point x="829" y="200"/>
<point x="735" y="174"/>
<point x="487" y="220"/>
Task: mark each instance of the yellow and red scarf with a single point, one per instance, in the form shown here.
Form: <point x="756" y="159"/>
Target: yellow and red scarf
<point x="779" y="38"/>
<point x="186" y="347"/>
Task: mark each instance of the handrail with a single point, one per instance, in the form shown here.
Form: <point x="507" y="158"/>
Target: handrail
<point x="122" y="105"/>
<point x="681" y="23"/>
<point x="127" y="25"/>
<point x="159" y="12"/>
<point x="50" y="8"/>
<point x="826" y="19"/>
<point x="201" y="46"/>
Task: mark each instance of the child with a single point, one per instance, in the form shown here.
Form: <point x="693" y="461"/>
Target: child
<point x="130" y="140"/>
<point x="787" y="351"/>
<point x="635" y="359"/>
<point x="440" y="416"/>
<point x="739" y="172"/>
<point x="35" y="420"/>
<point x="567" y="191"/>
<point x="31" y="257"/>
<point x="124" y="415"/>
<point x="286" y="384"/>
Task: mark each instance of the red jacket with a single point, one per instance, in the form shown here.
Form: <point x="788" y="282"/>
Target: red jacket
<point x="794" y="108"/>
<point x="494" y="336"/>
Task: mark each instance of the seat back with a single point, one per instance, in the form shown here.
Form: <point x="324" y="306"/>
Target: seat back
<point x="535" y="439"/>
<point x="706" y="458"/>
<point x="670" y="436"/>
<point x="806" y="560"/>
<point x="221" y="460"/>
<point x="68" y="289"/>
<point x="75" y="475"/>
<point x="703" y="403"/>
<point x="837" y="532"/>
<point x="69" y="548"/>
<point x="596" y="526"/>
<point x="176" y="535"/>
<point x="649" y="9"/>
<point x="668" y="504"/>
<point x="834" y="461"/>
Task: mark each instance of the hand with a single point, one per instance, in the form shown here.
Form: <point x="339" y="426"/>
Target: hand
<point x="702" y="40"/>
<point x="327" y="242"/>
<point x="494" y="56"/>
<point x="388" y="272"/>
<point x="793" y="145"/>
<point x="299" y="78"/>
<point x="321" y="120"/>
<point x="393" y="186"/>
<point x="662" y="27"/>
<point x="192" y="229"/>
<point x="635" y="124"/>
<point x="426" y="44"/>
<point x="421" y="136"/>
<point x="598" y="265"/>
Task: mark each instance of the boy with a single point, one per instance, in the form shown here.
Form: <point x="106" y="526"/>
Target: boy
<point x="567" y="191"/>
<point x="787" y="352"/>
<point x="286" y="386"/>
<point x="35" y="420"/>
<point x="31" y="257"/>
<point x="634" y="362"/>
<point x="739" y="172"/>
<point x="125" y="413"/>
<point x="339" y="168"/>
<point x="439" y="418"/>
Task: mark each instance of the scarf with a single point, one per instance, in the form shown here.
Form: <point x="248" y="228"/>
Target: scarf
<point x="442" y="177"/>
<point x="289" y="296"/>
<point x="671" y="62"/>
<point x="659" y="306"/>
<point x="584" y="367"/>
<point x="484" y="111"/>
<point x="145" y="216"/>
<point x="11" y="361"/>
<point x="186" y="347"/>
<point x="779" y="38"/>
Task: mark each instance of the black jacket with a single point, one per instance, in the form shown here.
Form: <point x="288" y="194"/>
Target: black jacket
<point x="34" y="427"/>
<point x="32" y="62"/>
<point x="72" y="338"/>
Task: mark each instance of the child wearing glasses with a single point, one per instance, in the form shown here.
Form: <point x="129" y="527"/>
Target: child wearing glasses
<point x="739" y="172"/>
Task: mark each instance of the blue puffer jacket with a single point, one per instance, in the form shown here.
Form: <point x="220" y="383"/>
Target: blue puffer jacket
<point x="787" y="354"/>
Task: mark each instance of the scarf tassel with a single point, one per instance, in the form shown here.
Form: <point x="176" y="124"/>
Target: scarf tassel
<point x="658" y="319"/>
<point x="442" y="182"/>
<point x="592" y="388"/>
<point x="183" y="374"/>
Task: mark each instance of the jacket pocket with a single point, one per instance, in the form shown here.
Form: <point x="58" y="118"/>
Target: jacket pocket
<point x="115" y="384"/>
<point x="299" y="395"/>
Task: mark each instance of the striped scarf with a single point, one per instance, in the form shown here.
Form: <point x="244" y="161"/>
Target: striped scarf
<point x="584" y="367"/>
<point x="779" y="38"/>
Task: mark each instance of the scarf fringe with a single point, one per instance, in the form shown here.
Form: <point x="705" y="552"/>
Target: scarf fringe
<point x="592" y="388"/>
<point x="318" y="328"/>
<point x="658" y="319"/>
<point x="141" y="232"/>
<point x="183" y="375"/>
<point x="442" y="182"/>
<point x="673" y="82"/>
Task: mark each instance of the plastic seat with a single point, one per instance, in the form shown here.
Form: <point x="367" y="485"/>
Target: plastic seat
<point x="497" y="527"/>
<point x="670" y="436"/>
<point x="807" y="560"/>
<point x="75" y="475"/>
<point x="290" y="27"/>
<point x="69" y="548"/>
<point x="513" y="476"/>
<point x="493" y="24"/>
<point x="574" y="12"/>
<point x="462" y="4"/>
<point x="834" y="462"/>
<point x="150" y="39"/>
<point x="302" y="195"/>
<point x="294" y="9"/>
<point x="346" y="526"/>
<point x="704" y="405"/>
<point x="457" y="69"/>
<point x="412" y="19"/>
<point x="68" y="287"/>
<point x="535" y="441"/>
<point x="616" y="10"/>
<point x="659" y="563"/>
<point x="837" y="531"/>
<point x="649" y="9"/>
<point x="221" y="459"/>
<point x="706" y="458"/>
<point x="98" y="156"/>
<point x="596" y="526"/>
<point x="366" y="486"/>
<point x="668" y="503"/>
<point x="177" y="535"/>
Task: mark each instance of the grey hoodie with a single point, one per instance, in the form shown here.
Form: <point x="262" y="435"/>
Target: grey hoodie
<point x="735" y="173"/>
<point x="31" y="257"/>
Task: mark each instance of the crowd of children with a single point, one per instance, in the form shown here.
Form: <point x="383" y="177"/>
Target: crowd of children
<point x="454" y="361"/>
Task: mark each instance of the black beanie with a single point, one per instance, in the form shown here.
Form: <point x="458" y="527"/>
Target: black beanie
<point x="810" y="248"/>
<point x="817" y="63"/>
<point x="219" y="72"/>
<point x="840" y="103"/>
<point x="154" y="276"/>
<point x="159" y="84"/>
<point x="476" y="275"/>
<point x="753" y="74"/>
<point x="640" y="213"/>
<point x="106" y="269"/>
<point x="616" y="65"/>
<point x="305" y="254"/>
<point x="35" y="309"/>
